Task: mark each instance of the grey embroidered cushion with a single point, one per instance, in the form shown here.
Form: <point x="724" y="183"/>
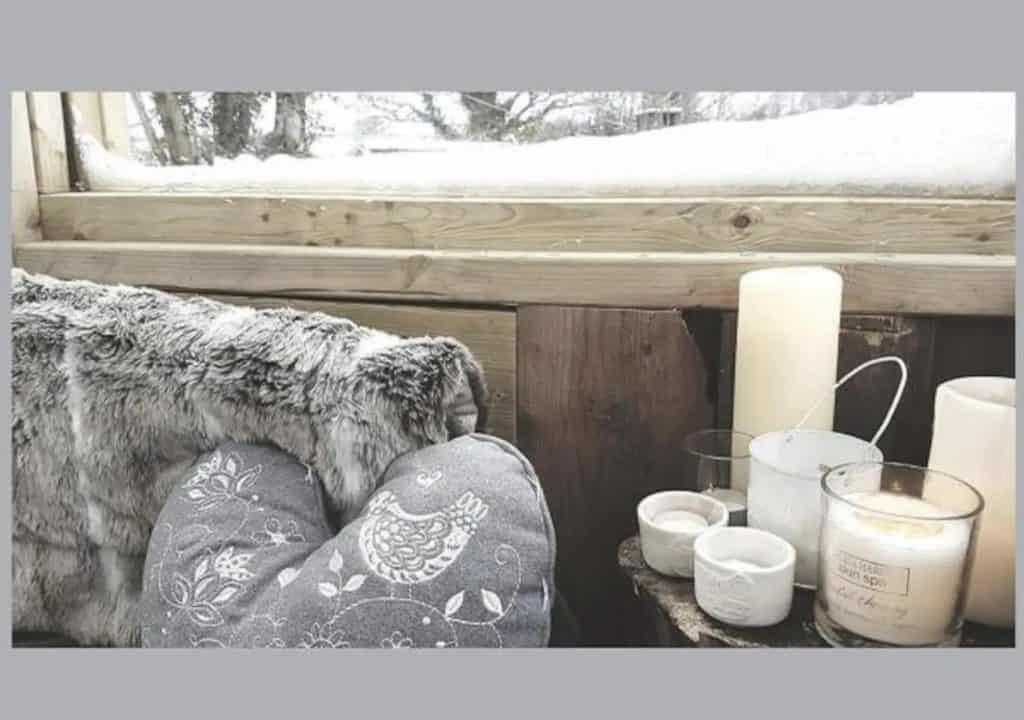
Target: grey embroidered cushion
<point x="454" y="549"/>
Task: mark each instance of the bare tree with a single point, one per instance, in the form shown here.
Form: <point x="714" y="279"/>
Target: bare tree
<point x="491" y="115"/>
<point x="292" y="133"/>
<point x="177" y="135"/>
<point x="233" y="120"/>
<point x="156" y="146"/>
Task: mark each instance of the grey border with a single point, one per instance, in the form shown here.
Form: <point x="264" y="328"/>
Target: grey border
<point x="918" y="45"/>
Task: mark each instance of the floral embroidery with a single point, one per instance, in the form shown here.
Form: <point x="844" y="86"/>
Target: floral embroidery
<point x="210" y="588"/>
<point x="231" y="566"/>
<point x="274" y="534"/>
<point x="396" y="640"/>
<point x="218" y="479"/>
<point x="318" y="637"/>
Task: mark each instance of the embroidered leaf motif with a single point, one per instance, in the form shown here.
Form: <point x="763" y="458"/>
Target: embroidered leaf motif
<point x="205" y="614"/>
<point x="454" y="603"/>
<point x="196" y="494"/>
<point x="231" y="465"/>
<point x="201" y="568"/>
<point x="202" y="586"/>
<point x="226" y="593"/>
<point x="286" y="576"/>
<point x="327" y="589"/>
<point x="354" y="583"/>
<point x="491" y="601"/>
<point x="247" y="478"/>
<point x="180" y="590"/>
<point x="214" y="463"/>
<point x="337" y="561"/>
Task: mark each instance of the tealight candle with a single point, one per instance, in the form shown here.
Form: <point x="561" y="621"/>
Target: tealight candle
<point x="670" y="522"/>
<point x="893" y="564"/>
<point x="744" y="576"/>
<point x="680" y="521"/>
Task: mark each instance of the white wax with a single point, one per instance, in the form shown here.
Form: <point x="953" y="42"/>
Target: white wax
<point x="975" y="439"/>
<point x="892" y="579"/>
<point x="680" y="521"/>
<point x="787" y="347"/>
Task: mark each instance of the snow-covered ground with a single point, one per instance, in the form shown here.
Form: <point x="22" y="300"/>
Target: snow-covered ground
<point x="929" y="144"/>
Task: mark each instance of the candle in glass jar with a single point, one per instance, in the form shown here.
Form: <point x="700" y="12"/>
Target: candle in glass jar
<point x="680" y="521"/>
<point x="735" y="502"/>
<point x="893" y="579"/>
<point x="787" y="348"/>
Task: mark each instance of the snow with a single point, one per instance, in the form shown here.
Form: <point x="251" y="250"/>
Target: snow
<point x="960" y="144"/>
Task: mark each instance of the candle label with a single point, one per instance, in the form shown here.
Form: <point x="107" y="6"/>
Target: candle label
<point x="872" y="575"/>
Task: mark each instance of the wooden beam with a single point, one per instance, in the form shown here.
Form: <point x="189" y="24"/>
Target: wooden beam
<point x="767" y="224"/>
<point x="24" y="193"/>
<point x="89" y="113"/>
<point x="49" y="143"/>
<point x="114" y="110"/>
<point x="903" y="284"/>
<point x="489" y="334"/>
<point x="104" y="116"/>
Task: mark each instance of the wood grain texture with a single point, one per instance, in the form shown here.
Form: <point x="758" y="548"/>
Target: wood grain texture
<point x="114" y="110"/>
<point x="89" y="117"/>
<point x="49" y="144"/>
<point x="862" y="402"/>
<point x="897" y="284"/>
<point x="605" y="397"/>
<point x="764" y="224"/>
<point x="489" y="334"/>
<point x="104" y="116"/>
<point x="24" y="194"/>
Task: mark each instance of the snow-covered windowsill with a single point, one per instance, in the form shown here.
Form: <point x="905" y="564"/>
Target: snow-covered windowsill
<point x="931" y="144"/>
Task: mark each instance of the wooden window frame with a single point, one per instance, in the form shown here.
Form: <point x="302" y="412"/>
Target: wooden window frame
<point x="905" y="255"/>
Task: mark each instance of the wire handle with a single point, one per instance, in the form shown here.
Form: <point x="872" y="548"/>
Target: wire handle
<point x="895" y="401"/>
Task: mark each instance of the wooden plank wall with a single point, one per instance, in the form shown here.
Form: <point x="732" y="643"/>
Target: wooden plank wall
<point x="605" y="397"/>
<point x="943" y="284"/>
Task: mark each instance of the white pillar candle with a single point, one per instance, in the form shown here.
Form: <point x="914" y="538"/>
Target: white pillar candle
<point x="893" y="579"/>
<point x="787" y="349"/>
<point x="975" y="439"/>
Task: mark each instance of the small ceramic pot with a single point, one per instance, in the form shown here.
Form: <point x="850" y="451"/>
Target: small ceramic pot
<point x="669" y="523"/>
<point x="744" y="576"/>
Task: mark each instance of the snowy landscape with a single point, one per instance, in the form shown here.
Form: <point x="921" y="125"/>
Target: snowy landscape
<point x="959" y="144"/>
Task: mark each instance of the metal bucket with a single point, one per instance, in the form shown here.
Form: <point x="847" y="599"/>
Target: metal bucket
<point x="784" y="492"/>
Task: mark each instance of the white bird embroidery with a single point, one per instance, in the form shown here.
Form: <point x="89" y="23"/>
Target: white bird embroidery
<point x="409" y="549"/>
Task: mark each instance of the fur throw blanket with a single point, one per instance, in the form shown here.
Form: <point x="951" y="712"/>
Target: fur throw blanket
<point x="118" y="389"/>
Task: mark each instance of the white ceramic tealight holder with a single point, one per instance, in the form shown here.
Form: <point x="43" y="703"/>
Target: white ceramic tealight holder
<point x="670" y="522"/>
<point x="744" y="576"/>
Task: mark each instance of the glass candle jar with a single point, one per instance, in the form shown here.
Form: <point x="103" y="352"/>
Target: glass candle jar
<point x="717" y="463"/>
<point x="897" y="543"/>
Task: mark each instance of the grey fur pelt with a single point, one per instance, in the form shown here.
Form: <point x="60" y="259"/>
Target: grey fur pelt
<point x="118" y="389"/>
